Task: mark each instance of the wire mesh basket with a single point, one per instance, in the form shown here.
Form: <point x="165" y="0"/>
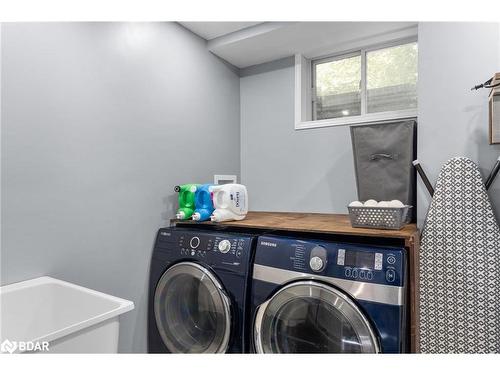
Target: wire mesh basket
<point x="380" y="217"/>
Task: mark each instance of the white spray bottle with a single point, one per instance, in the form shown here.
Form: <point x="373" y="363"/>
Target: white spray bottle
<point x="230" y="202"/>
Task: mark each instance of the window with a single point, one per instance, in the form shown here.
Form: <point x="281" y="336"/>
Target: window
<point x="391" y="78"/>
<point x="337" y="88"/>
<point x="370" y="84"/>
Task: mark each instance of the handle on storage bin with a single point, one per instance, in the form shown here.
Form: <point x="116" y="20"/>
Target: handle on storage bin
<point x="383" y="156"/>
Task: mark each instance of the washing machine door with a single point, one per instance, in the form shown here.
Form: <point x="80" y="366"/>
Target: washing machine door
<point x="192" y="311"/>
<point x="310" y="317"/>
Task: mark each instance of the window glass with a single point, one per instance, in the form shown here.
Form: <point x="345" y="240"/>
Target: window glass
<point x="391" y="78"/>
<point x="338" y="88"/>
<point x="373" y="81"/>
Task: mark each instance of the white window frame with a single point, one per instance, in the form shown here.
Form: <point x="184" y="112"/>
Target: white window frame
<point x="304" y="90"/>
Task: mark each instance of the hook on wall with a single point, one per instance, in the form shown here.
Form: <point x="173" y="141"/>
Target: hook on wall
<point x="486" y="85"/>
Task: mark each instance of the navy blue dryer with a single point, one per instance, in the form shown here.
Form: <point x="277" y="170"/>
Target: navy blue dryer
<point x="198" y="291"/>
<point x="315" y="296"/>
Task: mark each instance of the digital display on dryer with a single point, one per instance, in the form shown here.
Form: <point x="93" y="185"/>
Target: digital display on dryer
<point x="359" y="259"/>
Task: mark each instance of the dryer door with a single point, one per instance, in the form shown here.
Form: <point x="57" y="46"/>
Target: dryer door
<point x="310" y="317"/>
<point x="192" y="310"/>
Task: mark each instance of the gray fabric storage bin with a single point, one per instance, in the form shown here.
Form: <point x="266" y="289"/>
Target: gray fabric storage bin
<point x="383" y="155"/>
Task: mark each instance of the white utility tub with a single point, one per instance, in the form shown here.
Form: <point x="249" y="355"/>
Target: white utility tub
<point x="71" y="318"/>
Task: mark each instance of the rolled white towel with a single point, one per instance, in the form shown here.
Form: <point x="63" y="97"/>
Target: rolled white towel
<point x="356" y="204"/>
<point x="396" y="203"/>
<point x="370" y="203"/>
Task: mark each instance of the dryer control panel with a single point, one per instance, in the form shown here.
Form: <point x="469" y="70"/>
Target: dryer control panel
<point x="206" y="246"/>
<point x="371" y="264"/>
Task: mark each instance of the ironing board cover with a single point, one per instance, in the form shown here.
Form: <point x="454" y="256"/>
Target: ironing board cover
<point x="460" y="266"/>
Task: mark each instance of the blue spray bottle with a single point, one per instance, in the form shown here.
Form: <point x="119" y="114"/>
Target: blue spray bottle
<point x="203" y="203"/>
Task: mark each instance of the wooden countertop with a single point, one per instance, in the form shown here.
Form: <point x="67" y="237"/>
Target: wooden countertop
<point x="310" y="222"/>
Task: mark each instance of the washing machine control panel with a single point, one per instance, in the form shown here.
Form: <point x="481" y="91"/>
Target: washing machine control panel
<point x="362" y="263"/>
<point x="205" y="246"/>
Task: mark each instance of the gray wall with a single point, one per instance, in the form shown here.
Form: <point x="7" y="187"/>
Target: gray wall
<point x="312" y="170"/>
<point x="99" y="122"/>
<point x="453" y="121"/>
<point x="284" y="169"/>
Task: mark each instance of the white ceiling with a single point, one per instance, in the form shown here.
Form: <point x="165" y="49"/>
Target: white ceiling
<point x="210" y="30"/>
<point x="245" y="44"/>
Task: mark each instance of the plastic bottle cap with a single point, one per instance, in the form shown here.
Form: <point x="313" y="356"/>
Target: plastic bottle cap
<point x="196" y="216"/>
<point x="179" y="216"/>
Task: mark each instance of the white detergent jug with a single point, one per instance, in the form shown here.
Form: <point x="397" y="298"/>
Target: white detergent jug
<point x="230" y="202"/>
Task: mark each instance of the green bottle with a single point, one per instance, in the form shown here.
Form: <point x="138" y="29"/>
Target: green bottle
<point x="186" y="200"/>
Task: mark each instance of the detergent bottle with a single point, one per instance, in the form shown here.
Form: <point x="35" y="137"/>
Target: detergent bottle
<point x="186" y="200"/>
<point x="203" y="203"/>
<point x="230" y="202"/>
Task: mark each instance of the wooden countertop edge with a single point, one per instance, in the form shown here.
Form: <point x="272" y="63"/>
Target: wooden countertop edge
<point x="407" y="233"/>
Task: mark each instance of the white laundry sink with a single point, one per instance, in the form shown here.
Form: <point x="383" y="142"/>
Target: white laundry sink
<point x="47" y="313"/>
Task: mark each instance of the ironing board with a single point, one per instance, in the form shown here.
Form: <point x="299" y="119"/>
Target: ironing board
<point x="460" y="266"/>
